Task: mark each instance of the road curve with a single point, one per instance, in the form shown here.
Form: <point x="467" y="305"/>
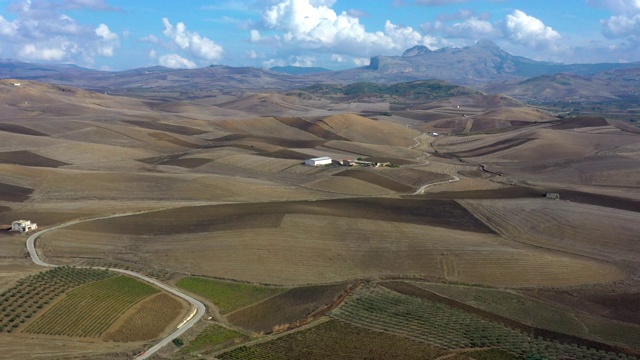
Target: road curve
<point x="195" y="304"/>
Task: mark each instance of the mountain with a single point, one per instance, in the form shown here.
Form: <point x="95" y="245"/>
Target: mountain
<point x="298" y="70"/>
<point x="612" y="85"/>
<point x="478" y="66"/>
<point x="480" y="63"/>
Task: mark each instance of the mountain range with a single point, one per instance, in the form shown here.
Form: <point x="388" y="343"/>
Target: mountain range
<point x="483" y="66"/>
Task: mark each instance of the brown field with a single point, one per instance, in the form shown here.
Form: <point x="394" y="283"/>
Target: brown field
<point x="17" y="129"/>
<point x="175" y="141"/>
<point x="189" y="163"/>
<point x="14" y="193"/>
<point x="286" y="309"/>
<point x="175" y="129"/>
<point x="580" y="122"/>
<point x="592" y="231"/>
<point x="27" y="158"/>
<point x="310" y="127"/>
<point x="147" y="320"/>
<point x="360" y="129"/>
<point x="371" y="176"/>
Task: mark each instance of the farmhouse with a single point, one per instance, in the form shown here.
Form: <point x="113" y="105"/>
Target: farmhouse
<point x="23" y="226"/>
<point x="15" y="83"/>
<point x="318" y="161"/>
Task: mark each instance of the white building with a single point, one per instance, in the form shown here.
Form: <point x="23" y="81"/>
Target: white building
<point x="318" y="161"/>
<point x="15" y="84"/>
<point x="23" y="226"/>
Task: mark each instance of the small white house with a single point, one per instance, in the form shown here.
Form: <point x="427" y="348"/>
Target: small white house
<point x="435" y="134"/>
<point x="23" y="226"/>
<point x="15" y="84"/>
<point x="318" y="161"/>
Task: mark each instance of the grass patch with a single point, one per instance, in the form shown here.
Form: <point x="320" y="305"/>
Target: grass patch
<point x="214" y="337"/>
<point x="227" y="296"/>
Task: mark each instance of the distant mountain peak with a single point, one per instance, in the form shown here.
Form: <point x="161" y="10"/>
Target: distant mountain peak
<point x="487" y="44"/>
<point x="416" y="50"/>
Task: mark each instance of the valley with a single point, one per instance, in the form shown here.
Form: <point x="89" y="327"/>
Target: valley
<point x="430" y="234"/>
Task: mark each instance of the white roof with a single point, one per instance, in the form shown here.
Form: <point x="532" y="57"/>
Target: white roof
<point x="321" y="158"/>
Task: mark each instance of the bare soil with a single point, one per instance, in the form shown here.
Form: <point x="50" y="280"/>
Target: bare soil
<point x="175" y="129"/>
<point x="286" y="308"/>
<point x="17" y="129"/>
<point x="27" y="158"/>
<point x="14" y="193"/>
<point x="376" y="179"/>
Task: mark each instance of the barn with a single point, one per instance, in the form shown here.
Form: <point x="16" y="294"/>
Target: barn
<point x="318" y="161"/>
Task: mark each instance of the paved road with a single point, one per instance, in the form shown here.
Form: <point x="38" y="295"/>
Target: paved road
<point x="195" y="304"/>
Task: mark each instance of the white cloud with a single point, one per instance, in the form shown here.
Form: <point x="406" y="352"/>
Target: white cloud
<point x="152" y="53"/>
<point x="150" y="38"/>
<point x="110" y="40"/>
<point x="313" y="24"/>
<point x="254" y="36"/>
<point x="176" y="61"/>
<point x="361" y="61"/>
<point x="40" y="31"/>
<point x="621" y="25"/>
<point x="337" y="58"/>
<point x="528" y="30"/>
<point x="304" y="61"/>
<point x="252" y="54"/>
<point x="199" y="46"/>
<point x="38" y="52"/>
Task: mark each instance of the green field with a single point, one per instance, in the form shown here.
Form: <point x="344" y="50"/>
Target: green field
<point x="212" y="338"/>
<point x="540" y="314"/>
<point x="337" y="340"/>
<point x="379" y="308"/>
<point x="227" y="296"/>
<point x="88" y="311"/>
<point x="33" y="293"/>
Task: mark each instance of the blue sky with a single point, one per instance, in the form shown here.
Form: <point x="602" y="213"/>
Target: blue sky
<point x="336" y="34"/>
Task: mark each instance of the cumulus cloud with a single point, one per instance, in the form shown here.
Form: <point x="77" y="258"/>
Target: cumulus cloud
<point x="254" y="36"/>
<point x="40" y="31"/>
<point x="626" y="19"/>
<point x="198" y="46"/>
<point x="313" y="24"/>
<point x="440" y="2"/>
<point x="176" y="61"/>
<point x="528" y="30"/>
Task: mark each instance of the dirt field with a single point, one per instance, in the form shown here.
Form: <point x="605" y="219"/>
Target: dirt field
<point x="14" y="193"/>
<point x="27" y="158"/>
<point x="285" y="309"/>
<point x="17" y="129"/>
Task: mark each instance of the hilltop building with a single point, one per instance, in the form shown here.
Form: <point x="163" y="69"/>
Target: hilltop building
<point x="23" y="226"/>
<point x="325" y="160"/>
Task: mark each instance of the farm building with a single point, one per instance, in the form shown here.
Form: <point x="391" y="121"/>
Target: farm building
<point x="15" y="83"/>
<point x="318" y="161"/>
<point x="23" y="226"/>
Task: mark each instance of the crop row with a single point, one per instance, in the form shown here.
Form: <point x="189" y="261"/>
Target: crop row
<point x="89" y="310"/>
<point x="33" y="293"/>
<point x="381" y="309"/>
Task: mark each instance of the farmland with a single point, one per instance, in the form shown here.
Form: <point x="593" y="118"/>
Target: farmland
<point x="32" y="294"/>
<point x="378" y="308"/>
<point x="227" y="296"/>
<point x="337" y="339"/>
<point x="225" y="210"/>
<point x="286" y="309"/>
<point x="88" y="311"/>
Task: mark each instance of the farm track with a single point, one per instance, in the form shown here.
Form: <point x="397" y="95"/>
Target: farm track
<point x="193" y="318"/>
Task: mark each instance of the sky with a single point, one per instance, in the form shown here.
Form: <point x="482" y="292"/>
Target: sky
<point x="335" y="34"/>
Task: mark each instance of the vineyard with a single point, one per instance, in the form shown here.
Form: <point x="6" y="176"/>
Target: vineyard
<point x="378" y="308"/>
<point x="337" y="340"/>
<point x="33" y="293"/>
<point x="540" y="313"/>
<point x="227" y="296"/>
<point x="88" y="311"/>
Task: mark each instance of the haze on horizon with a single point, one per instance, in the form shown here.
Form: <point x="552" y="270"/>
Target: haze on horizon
<point x="336" y="34"/>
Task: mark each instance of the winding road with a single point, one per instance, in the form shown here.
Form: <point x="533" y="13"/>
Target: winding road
<point x="196" y="305"/>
